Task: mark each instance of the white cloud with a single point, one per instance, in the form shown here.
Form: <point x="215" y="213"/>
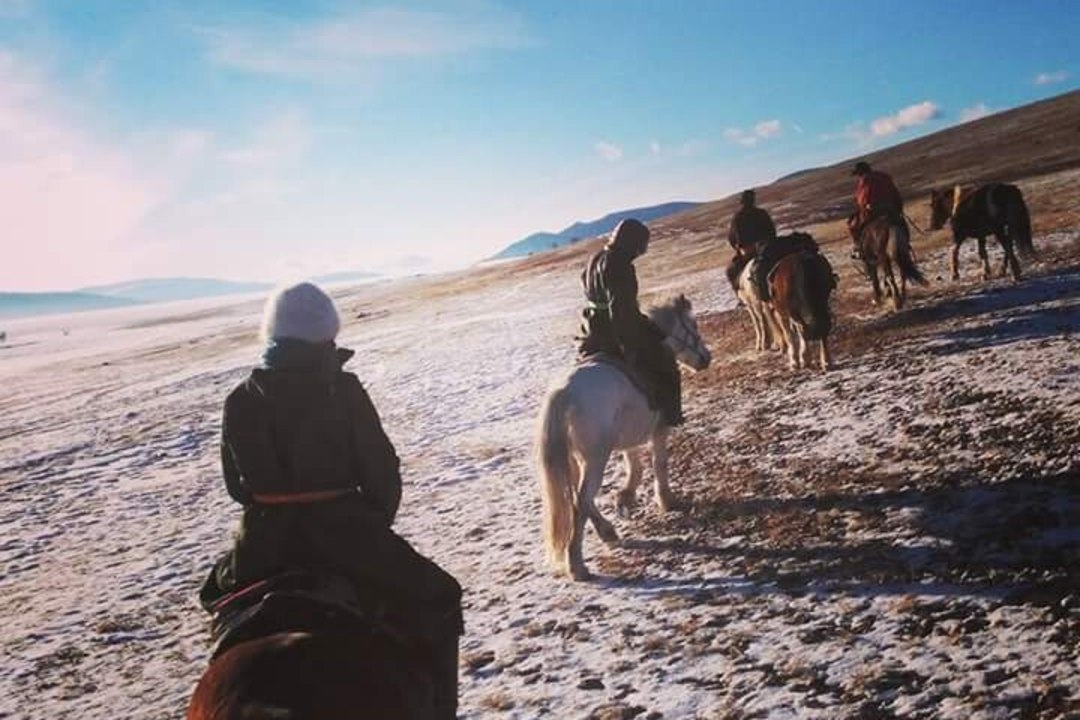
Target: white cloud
<point x="797" y="128"/>
<point x="975" y="112"/>
<point x="608" y="151"/>
<point x="654" y="147"/>
<point x="1051" y="78"/>
<point x="912" y="115"/>
<point x="349" y="44"/>
<point x="767" y="129"/>
<point x="764" y="130"/>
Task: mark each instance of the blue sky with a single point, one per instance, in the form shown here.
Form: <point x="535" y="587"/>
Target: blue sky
<point x="260" y="140"/>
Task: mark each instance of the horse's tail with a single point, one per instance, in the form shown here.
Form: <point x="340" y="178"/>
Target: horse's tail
<point x="905" y="258"/>
<point x="557" y="475"/>
<point x="1019" y="221"/>
<point x="815" y="284"/>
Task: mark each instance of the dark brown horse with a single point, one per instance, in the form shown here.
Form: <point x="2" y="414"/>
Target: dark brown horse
<point x="885" y="248"/>
<point x="800" y="287"/>
<point x="996" y="209"/>
<point x="304" y="676"/>
<point x="297" y="656"/>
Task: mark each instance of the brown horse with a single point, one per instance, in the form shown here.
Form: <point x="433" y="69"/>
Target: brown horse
<point x="800" y="287"/>
<point x="304" y="676"/>
<point x="996" y="209"/>
<point x="299" y="656"/>
<point x="885" y="247"/>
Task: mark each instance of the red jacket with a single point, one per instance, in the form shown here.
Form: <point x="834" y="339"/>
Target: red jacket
<point x="876" y="190"/>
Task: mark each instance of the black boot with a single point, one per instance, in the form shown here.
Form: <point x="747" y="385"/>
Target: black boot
<point x="671" y="412"/>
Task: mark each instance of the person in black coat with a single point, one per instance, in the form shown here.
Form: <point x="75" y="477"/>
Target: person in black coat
<point x="614" y="324"/>
<point x="304" y="453"/>
<point x="751" y="229"/>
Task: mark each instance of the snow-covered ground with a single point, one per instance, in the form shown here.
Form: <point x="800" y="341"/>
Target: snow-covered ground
<point x="111" y="509"/>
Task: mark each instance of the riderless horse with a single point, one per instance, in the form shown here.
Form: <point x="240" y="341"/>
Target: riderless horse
<point x="595" y="410"/>
<point x="995" y="209"/>
<point x="800" y="287"/>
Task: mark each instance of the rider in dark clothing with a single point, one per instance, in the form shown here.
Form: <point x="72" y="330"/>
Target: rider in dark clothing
<point x="613" y="323"/>
<point x="751" y="228"/>
<point x="304" y="453"/>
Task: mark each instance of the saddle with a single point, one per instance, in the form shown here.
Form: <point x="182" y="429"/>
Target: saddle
<point x="292" y="602"/>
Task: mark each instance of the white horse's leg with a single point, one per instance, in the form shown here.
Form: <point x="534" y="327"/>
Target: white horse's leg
<point x="754" y="322"/>
<point x="602" y="525"/>
<point x="591" y="480"/>
<point x="664" y="499"/>
<point x="628" y="495"/>
<point x="788" y="342"/>
<point x="804" y="349"/>
<point x="757" y="317"/>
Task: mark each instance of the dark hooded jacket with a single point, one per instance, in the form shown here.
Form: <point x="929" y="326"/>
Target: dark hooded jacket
<point x="297" y="431"/>
<point x="613" y="321"/>
<point x="312" y="427"/>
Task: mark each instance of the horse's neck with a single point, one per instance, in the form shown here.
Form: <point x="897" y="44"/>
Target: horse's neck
<point x="663" y="318"/>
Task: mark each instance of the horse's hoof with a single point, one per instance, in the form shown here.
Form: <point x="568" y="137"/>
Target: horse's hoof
<point x="580" y="574"/>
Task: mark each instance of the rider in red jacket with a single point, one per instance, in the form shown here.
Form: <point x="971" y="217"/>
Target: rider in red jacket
<point x="875" y="195"/>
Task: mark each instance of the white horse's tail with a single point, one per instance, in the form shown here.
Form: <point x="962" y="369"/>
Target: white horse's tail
<point x="557" y="476"/>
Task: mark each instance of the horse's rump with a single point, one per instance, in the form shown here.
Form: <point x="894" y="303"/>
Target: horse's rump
<point x="886" y="239"/>
<point x="802" y="283"/>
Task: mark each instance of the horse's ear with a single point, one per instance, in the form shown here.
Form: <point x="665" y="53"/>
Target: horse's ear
<point x="683" y="301"/>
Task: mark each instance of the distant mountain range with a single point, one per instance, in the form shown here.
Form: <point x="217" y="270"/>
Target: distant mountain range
<point x="153" y="290"/>
<point x="541" y="241"/>
<point x="47" y="303"/>
<point x="143" y="291"/>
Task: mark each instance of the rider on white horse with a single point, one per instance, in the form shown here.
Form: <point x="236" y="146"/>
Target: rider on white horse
<point x="614" y="324"/>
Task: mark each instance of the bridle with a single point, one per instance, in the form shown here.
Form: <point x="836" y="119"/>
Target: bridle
<point x="685" y="339"/>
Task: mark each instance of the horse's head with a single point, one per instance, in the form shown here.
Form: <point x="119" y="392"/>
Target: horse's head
<point x="940" y="208"/>
<point x="677" y="321"/>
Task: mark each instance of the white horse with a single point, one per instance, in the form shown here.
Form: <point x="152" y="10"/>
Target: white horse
<point x="761" y="316"/>
<point x="592" y="412"/>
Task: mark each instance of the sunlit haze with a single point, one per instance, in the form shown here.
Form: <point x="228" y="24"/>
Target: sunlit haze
<point x="257" y="141"/>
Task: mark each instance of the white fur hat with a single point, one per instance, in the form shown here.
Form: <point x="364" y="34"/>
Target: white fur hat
<point x="301" y="311"/>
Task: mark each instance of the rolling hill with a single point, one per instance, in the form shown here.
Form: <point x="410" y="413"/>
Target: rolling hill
<point x="541" y="241"/>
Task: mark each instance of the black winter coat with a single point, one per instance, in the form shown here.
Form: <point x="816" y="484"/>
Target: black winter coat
<point x="613" y="321"/>
<point x="287" y="431"/>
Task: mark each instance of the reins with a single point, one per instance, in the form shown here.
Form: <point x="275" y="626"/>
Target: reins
<point x="914" y="225"/>
<point x="695" y="347"/>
